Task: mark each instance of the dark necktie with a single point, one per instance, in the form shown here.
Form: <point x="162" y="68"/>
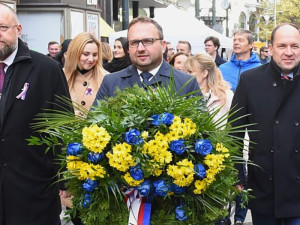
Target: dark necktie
<point x="146" y="76"/>
<point x="2" y="75"/>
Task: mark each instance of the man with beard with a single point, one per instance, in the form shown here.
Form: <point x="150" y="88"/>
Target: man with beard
<point x="146" y="48"/>
<point x="29" y="83"/>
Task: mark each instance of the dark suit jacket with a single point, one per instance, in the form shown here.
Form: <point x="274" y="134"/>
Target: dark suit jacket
<point x="219" y="61"/>
<point x="27" y="193"/>
<point x="129" y="76"/>
<point x="273" y="106"/>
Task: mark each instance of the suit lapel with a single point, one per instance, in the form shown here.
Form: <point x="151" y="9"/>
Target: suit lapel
<point x="162" y="76"/>
<point x="18" y="79"/>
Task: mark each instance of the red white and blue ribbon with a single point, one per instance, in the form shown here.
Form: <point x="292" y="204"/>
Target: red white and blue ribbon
<point x="22" y="95"/>
<point x="139" y="208"/>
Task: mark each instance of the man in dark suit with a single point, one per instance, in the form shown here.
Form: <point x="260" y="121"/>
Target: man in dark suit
<point x="32" y="81"/>
<point x="269" y="94"/>
<point x="146" y="48"/>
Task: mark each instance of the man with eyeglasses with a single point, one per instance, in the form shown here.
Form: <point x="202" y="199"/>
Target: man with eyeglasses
<point x="146" y="48"/>
<point x="264" y="55"/>
<point x="212" y="45"/>
<point x="29" y="83"/>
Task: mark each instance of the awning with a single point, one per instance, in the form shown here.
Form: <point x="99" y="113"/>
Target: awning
<point x="105" y="29"/>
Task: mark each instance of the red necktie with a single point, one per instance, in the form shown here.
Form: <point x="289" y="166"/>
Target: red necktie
<point x="285" y="77"/>
<point x="2" y="75"/>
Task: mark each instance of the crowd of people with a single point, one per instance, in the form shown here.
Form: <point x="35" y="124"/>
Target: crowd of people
<point x="264" y="87"/>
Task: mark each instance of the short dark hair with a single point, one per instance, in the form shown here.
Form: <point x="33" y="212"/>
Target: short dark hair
<point x="145" y="19"/>
<point x="249" y="34"/>
<point x="262" y="49"/>
<point x="281" y="25"/>
<point x="186" y="42"/>
<point x="52" y="43"/>
<point x="214" y="40"/>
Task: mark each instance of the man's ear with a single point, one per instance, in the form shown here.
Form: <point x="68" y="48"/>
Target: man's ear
<point x="19" y="30"/>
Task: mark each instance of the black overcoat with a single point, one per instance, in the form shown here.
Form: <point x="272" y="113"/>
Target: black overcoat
<point x="274" y="106"/>
<point x="27" y="173"/>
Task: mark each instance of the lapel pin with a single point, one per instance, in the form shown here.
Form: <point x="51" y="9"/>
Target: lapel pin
<point x="22" y="95"/>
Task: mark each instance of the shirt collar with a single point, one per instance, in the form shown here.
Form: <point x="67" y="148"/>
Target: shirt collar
<point x="153" y="72"/>
<point x="10" y="59"/>
<point x="289" y="75"/>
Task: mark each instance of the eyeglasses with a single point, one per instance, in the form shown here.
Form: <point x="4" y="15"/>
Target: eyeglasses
<point x="145" y="42"/>
<point x="4" y="28"/>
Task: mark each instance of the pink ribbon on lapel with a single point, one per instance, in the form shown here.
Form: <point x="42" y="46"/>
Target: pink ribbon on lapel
<point x="22" y="95"/>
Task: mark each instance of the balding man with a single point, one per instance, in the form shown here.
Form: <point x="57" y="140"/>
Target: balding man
<point x="29" y="83"/>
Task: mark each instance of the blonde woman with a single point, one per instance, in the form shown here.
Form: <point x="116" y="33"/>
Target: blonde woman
<point x="83" y="69"/>
<point x="214" y="88"/>
<point x="107" y="54"/>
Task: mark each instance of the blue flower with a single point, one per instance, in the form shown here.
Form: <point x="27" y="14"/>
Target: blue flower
<point x="74" y="149"/>
<point x="167" y="118"/>
<point x="177" y="189"/>
<point x="180" y="213"/>
<point x="132" y="137"/>
<point x="203" y="147"/>
<point x="145" y="188"/>
<point x="178" y="147"/>
<point x="136" y="172"/>
<point x="155" y="120"/>
<point x="200" y="171"/>
<point x="87" y="200"/>
<point x="164" y="118"/>
<point x="95" y="157"/>
<point x="161" y="188"/>
<point x="89" y="185"/>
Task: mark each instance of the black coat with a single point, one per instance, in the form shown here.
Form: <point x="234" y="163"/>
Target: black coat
<point x="27" y="193"/>
<point x="273" y="105"/>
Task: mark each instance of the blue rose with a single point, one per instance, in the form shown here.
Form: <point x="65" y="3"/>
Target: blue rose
<point x="136" y="172"/>
<point x="74" y="149"/>
<point x="166" y="118"/>
<point x="178" y="147"/>
<point x="155" y="120"/>
<point x="87" y="201"/>
<point x="89" y="185"/>
<point x="145" y="188"/>
<point x="180" y="213"/>
<point x="95" y="157"/>
<point x="177" y="189"/>
<point x="133" y="137"/>
<point x="203" y="147"/>
<point x="161" y="188"/>
<point x="200" y="171"/>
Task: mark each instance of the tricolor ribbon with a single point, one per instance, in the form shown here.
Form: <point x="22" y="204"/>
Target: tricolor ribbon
<point x="139" y="208"/>
<point x="22" y="95"/>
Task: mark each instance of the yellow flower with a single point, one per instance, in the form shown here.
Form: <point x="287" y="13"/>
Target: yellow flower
<point x="200" y="186"/>
<point x="120" y="158"/>
<point x="132" y="182"/>
<point x="182" y="172"/>
<point x="91" y="171"/>
<point x="95" y="138"/>
<point x="145" y="134"/>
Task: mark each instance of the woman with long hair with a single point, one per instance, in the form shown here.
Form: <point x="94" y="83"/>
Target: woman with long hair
<point x="83" y="69"/>
<point x="121" y="57"/>
<point x="214" y="88"/>
<point x="107" y="54"/>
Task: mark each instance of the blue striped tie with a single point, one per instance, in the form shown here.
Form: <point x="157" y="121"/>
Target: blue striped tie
<point x="146" y="76"/>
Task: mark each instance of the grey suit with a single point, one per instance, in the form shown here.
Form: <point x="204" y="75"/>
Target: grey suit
<point x="129" y="76"/>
